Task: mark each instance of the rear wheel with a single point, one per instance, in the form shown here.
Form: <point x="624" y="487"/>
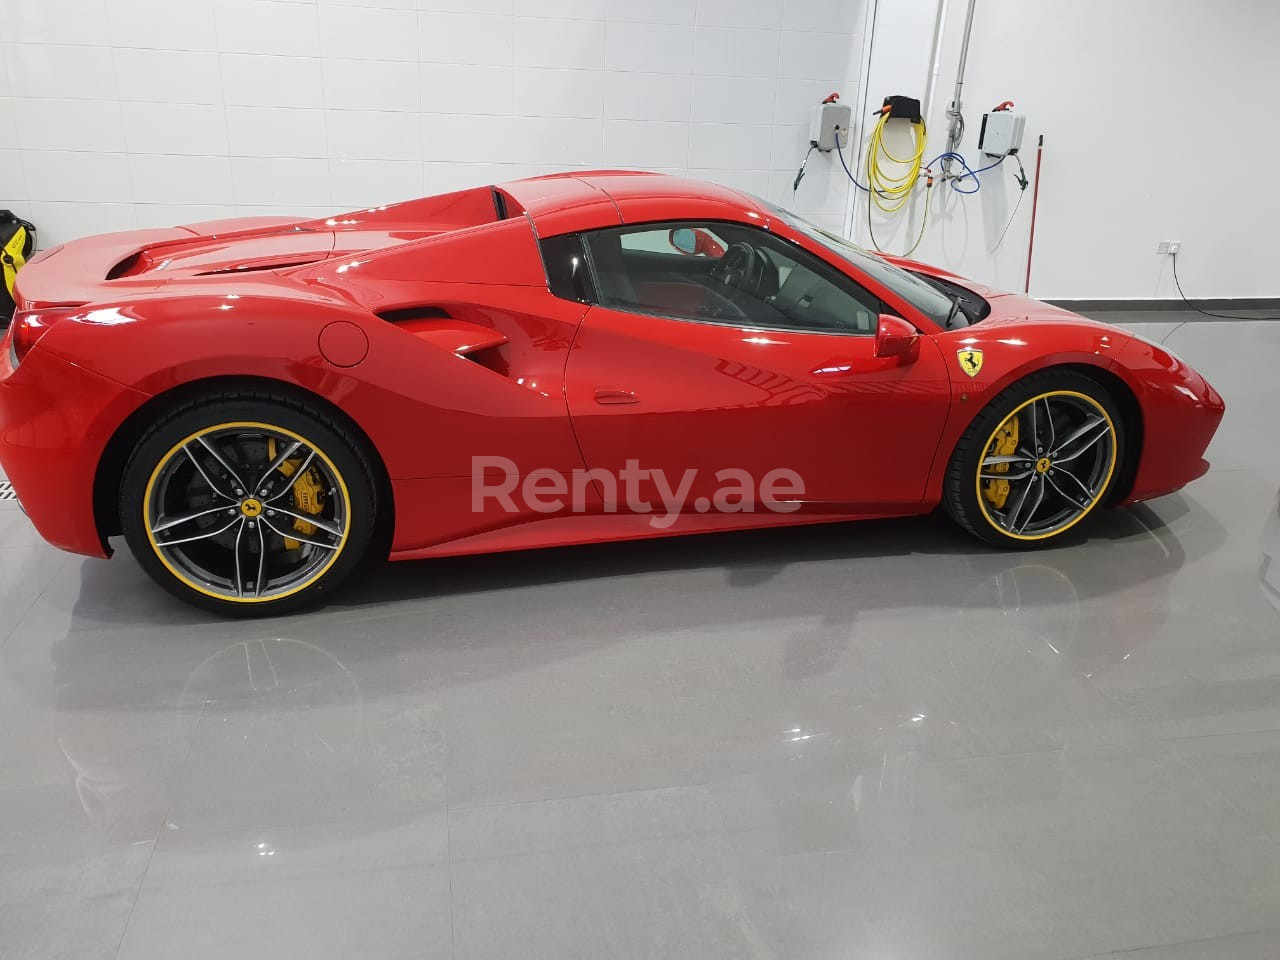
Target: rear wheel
<point x="248" y="505"/>
<point x="1037" y="461"/>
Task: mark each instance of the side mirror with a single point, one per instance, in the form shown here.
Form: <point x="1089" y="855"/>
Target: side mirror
<point x="684" y="239"/>
<point x="692" y="241"/>
<point x="897" y="338"/>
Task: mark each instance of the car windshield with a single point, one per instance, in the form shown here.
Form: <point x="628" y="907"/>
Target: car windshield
<point x="920" y="294"/>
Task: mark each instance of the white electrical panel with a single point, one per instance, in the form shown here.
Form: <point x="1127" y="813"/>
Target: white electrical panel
<point x="830" y="119"/>
<point x="1001" y="133"/>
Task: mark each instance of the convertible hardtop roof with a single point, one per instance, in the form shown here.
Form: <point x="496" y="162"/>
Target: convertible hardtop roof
<point x="569" y="202"/>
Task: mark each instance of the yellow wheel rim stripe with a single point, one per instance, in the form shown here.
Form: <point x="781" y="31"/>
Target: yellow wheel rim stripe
<point x="1101" y="491"/>
<point x="149" y="521"/>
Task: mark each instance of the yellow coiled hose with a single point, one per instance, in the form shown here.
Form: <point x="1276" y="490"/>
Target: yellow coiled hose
<point x="891" y="192"/>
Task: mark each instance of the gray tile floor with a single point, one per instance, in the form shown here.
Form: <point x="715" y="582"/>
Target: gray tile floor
<point x="873" y="741"/>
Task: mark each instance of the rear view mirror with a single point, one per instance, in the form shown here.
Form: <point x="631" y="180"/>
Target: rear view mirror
<point x="897" y="338"/>
<point x="684" y="239"/>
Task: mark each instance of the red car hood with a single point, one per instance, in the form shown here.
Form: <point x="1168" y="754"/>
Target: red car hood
<point x="1016" y="308"/>
<point x="1006" y="307"/>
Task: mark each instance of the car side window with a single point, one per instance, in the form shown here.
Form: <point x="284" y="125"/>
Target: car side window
<point x="718" y="272"/>
<point x="566" y="266"/>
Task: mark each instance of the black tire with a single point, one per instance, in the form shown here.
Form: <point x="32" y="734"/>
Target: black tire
<point x="1055" y="393"/>
<point x="231" y="422"/>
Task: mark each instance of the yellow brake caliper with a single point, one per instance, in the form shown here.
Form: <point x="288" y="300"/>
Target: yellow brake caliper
<point x="1004" y="444"/>
<point x="308" y="495"/>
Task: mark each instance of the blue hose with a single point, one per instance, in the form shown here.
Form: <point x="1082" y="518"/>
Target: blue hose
<point x="969" y="172"/>
<point x="844" y="163"/>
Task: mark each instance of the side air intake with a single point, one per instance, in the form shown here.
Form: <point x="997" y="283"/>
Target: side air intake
<point x="434" y="325"/>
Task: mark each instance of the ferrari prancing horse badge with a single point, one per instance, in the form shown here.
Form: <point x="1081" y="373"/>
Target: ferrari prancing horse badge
<point x="970" y="361"/>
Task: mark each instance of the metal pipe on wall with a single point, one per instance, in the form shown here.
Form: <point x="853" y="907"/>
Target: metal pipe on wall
<point x="864" y="84"/>
<point x="935" y="65"/>
<point x="955" y="126"/>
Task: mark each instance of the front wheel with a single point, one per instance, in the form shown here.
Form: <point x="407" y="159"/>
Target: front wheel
<point x="248" y="505"/>
<point x="1037" y="461"/>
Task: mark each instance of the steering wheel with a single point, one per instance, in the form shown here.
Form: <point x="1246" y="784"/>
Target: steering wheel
<point x="740" y="269"/>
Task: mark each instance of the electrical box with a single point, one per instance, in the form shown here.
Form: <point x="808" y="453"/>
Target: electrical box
<point x="1001" y="133"/>
<point x="830" y="119"/>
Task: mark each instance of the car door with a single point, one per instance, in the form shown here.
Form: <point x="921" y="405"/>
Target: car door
<point x="747" y="354"/>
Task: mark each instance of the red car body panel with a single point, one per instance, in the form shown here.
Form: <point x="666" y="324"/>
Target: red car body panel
<point x="702" y="389"/>
<point x="431" y="326"/>
<point x="59" y="413"/>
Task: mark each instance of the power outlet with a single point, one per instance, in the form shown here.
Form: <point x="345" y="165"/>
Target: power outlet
<point x="1162" y="246"/>
<point x="1170" y="247"/>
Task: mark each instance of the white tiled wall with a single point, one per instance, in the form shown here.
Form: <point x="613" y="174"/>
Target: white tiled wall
<point x="137" y="113"/>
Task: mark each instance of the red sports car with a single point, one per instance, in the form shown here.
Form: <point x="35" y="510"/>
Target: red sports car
<point x="260" y="405"/>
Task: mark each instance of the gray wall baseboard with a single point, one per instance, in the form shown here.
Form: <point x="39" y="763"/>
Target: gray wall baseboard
<point x="1228" y="304"/>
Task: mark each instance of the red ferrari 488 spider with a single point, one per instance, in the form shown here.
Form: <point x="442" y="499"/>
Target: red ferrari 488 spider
<point x="260" y="405"/>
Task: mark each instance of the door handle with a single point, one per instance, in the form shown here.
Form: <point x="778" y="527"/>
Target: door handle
<point x="834" y="367"/>
<point x="614" y="395"/>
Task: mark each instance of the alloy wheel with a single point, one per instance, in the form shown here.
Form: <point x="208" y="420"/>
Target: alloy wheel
<point x="1046" y="465"/>
<point x="247" y="512"/>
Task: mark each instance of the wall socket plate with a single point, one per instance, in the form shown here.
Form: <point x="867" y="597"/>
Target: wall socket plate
<point x="1170" y="247"/>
